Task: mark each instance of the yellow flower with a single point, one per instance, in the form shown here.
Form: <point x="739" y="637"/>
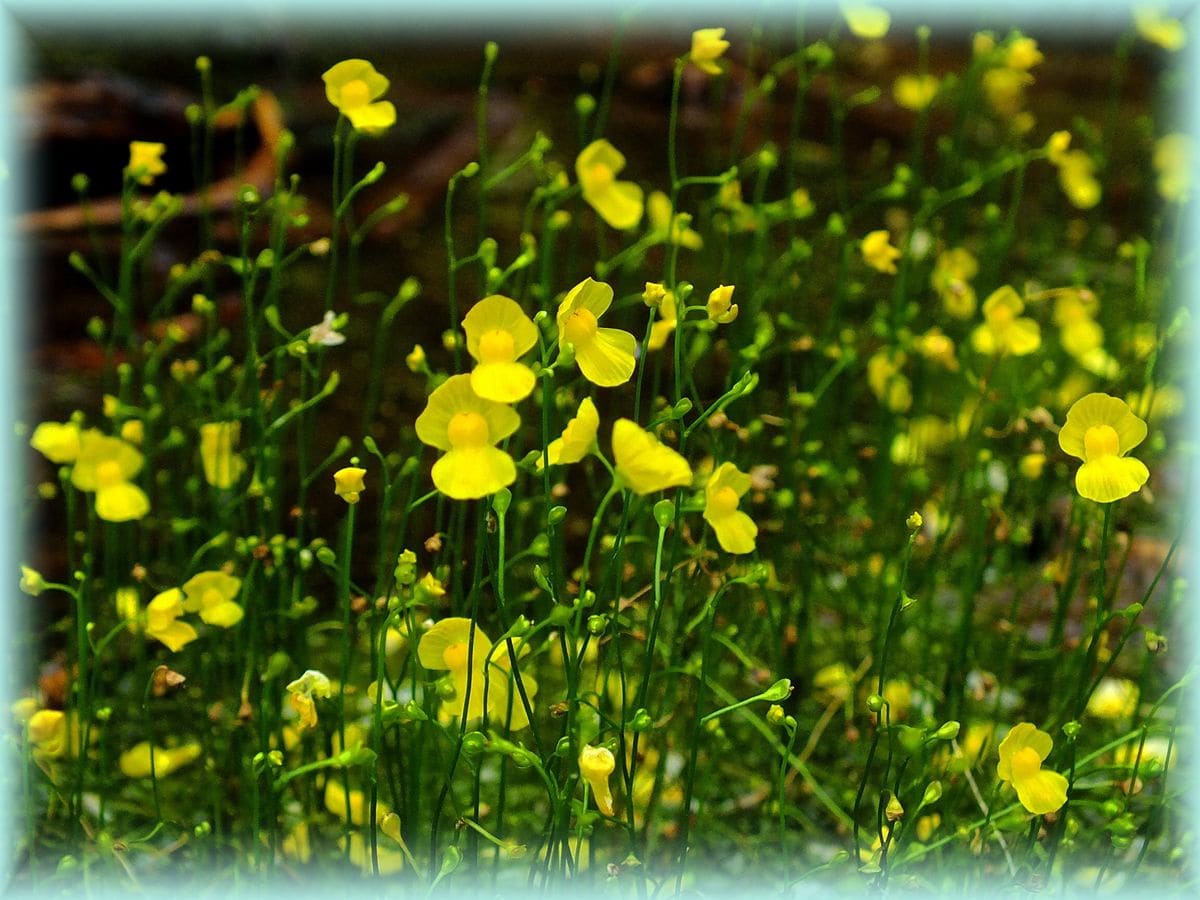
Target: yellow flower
<point x="605" y="355"/>
<point x="707" y="47"/>
<point x="162" y="623"/>
<point x="1031" y="465"/>
<point x="1005" y="89"/>
<point x="47" y="731"/>
<point x="32" y="582"/>
<point x="145" y="161"/>
<point x="668" y="228"/>
<point x="1079" y="333"/>
<point x="834" y="682"/>
<point x="57" y="441"/>
<point x="1021" y="755"/>
<point x="1100" y="430"/>
<point x="1077" y="178"/>
<point x="886" y="382"/>
<point x="899" y="695"/>
<point x="129" y="608"/>
<point x="1114" y="698"/>
<point x="351" y="86"/>
<point x="450" y="645"/>
<point x="133" y="431"/>
<point x="735" y="530"/>
<point x="578" y="438"/>
<point x="1023" y="54"/>
<point x="498" y="334"/>
<point x="1155" y="26"/>
<point x="619" y="203"/>
<point x="915" y="92"/>
<point x="1173" y="163"/>
<point x="595" y="765"/>
<point x="390" y="861"/>
<point x="937" y="347"/>
<point x="1155" y="403"/>
<point x="348" y="483"/>
<point x="951" y="280"/>
<point x="720" y="306"/>
<point x="295" y="844"/>
<point x="106" y="465"/>
<point x="311" y="684"/>
<point x="467" y="427"/>
<point x="924" y="434"/>
<point x="211" y="594"/>
<point x="878" y="253"/>
<point x="223" y="466"/>
<point x="337" y="802"/>
<point x="644" y="464"/>
<point x="1057" y="145"/>
<point x="866" y="20"/>
<point x="664" y="323"/>
<point x="135" y="762"/>
<point x="1004" y="329"/>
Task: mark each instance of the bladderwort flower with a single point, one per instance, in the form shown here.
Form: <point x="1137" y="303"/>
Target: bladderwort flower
<point x="951" y="281"/>
<point x="135" y="762"/>
<point x="915" y="92"/>
<point x="145" y="161"/>
<point x="866" y="20"/>
<point x="106" y="466"/>
<point x="1022" y="753"/>
<point x="736" y="531"/>
<point x="211" y="595"/>
<point x="223" y="465"/>
<point x="578" y="438"/>
<point x="643" y="463"/>
<point x="605" y="356"/>
<point x="348" y="483"/>
<point x="596" y="764"/>
<point x="1004" y="329"/>
<point x="708" y="45"/>
<point x="323" y="332"/>
<point x="720" y="306"/>
<point x="302" y="691"/>
<point x="665" y="322"/>
<point x="467" y="427"/>
<point x="498" y="335"/>
<point x="57" y="441"/>
<point x="353" y="86"/>
<point x="1172" y="162"/>
<point x="450" y="646"/>
<point x="1100" y="430"/>
<point x="619" y="203"/>
<point x="1153" y="24"/>
<point x="878" y="253"/>
<point x="669" y="227"/>
<point x="162" y="621"/>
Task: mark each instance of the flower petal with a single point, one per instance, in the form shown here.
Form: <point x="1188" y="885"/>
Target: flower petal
<point x="1100" y="409"/>
<point x="608" y="359"/>
<point x="1111" y="478"/>
<point x="475" y="472"/>
<point x="1043" y="792"/>
<point x="454" y="630"/>
<point x="735" y="532"/>
<point x="619" y="204"/>
<point x="121" y="502"/>
<point x="503" y="382"/>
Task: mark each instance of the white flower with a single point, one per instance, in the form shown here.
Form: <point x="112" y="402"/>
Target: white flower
<point x="323" y="333"/>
